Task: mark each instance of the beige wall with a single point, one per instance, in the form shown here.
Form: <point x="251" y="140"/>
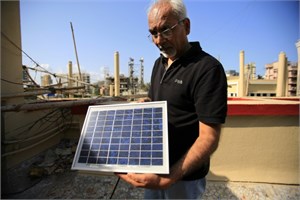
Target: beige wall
<point x="262" y="88"/>
<point x="258" y="149"/>
<point x="255" y="86"/>
<point x="251" y="149"/>
<point x="11" y="57"/>
<point x="15" y="126"/>
<point x="232" y="89"/>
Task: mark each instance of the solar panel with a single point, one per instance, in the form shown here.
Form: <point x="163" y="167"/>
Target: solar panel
<point x="130" y="137"/>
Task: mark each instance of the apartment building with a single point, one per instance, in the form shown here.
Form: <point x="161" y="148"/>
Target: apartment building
<point x="290" y="76"/>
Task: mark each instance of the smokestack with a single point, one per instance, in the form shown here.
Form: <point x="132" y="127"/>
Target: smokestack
<point x="281" y="75"/>
<point x="111" y="90"/>
<point x="117" y="74"/>
<point x="241" y="89"/>
<point x="298" y="73"/>
<point x="70" y="74"/>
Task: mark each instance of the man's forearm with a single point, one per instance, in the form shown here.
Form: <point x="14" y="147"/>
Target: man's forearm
<point x="201" y="150"/>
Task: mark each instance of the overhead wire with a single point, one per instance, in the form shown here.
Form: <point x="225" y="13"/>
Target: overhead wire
<point x="38" y="67"/>
<point x="29" y="76"/>
<point x="14" y="44"/>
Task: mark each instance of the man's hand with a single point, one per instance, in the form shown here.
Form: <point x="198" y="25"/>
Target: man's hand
<point x="142" y="100"/>
<point x="150" y="181"/>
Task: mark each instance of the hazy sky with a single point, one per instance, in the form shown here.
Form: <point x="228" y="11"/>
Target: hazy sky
<point x="261" y="28"/>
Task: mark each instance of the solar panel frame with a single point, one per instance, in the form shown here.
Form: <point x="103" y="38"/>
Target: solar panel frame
<point x="131" y="137"/>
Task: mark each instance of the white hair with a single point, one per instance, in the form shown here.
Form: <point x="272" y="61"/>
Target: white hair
<point x="178" y="7"/>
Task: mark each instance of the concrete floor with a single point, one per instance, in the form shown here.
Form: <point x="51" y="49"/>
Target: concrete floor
<point x="74" y="185"/>
<point x="48" y="176"/>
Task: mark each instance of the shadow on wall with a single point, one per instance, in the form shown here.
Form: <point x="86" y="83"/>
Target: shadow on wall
<point x="216" y="188"/>
<point x="261" y="121"/>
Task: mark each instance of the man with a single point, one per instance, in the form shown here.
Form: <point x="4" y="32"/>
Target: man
<point x="194" y="85"/>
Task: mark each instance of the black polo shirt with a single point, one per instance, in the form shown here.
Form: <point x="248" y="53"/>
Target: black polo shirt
<point x="195" y="88"/>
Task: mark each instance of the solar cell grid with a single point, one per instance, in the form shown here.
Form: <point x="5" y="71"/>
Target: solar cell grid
<point x="127" y="137"/>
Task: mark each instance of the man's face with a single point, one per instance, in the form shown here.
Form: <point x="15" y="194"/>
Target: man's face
<point x="170" y="34"/>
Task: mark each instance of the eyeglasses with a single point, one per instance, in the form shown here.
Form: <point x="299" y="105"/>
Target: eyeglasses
<point x="167" y="33"/>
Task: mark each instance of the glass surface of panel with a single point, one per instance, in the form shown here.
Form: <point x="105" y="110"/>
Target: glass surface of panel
<point x="124" y="138"/>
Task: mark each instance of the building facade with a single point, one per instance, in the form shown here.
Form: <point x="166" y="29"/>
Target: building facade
<point x="280" y="79"/>
<point x="291" y="76"/>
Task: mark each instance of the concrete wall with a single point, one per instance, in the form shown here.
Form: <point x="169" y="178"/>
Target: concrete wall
<point x="20" y="138"/>
<point x="11" y="56"/>
<point x="258" y="149"/>
<point x="262" y="88"/>
<point x="259" y="142"/>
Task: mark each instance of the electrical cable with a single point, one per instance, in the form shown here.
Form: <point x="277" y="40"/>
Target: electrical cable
<point x="38" y="65"/>
<point x="61" y="130"/>
<point x="112" y="193"/>
<point x="29" y="76"/>
<point x="32" y="124"/>
<point x="62" y="119"/>
<point x="22" y="50"/>
<point x="2" y="79"/>
<point x="58" y="129"/>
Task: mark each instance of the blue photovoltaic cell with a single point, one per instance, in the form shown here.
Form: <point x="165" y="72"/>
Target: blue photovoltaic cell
<point x="123" y="137"/>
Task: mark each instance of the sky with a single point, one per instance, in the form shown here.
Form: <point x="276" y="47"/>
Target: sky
<point x="262" y="29"/>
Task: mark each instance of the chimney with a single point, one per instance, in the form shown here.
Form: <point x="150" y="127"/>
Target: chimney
<point x="111" y="90"/>
<point x="70" y="75"/>
<point x="281" y="75"/>
<point x="117" y="74"/>
<point x="241" y="89"/>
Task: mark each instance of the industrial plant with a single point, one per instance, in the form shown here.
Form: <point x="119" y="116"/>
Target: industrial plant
<point x="79" y="85"/>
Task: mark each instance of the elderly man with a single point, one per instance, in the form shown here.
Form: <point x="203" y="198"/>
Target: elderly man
<point x="194" y="85"/>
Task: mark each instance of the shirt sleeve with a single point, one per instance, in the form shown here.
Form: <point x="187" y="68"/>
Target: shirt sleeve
<point x="210" y="95"/>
